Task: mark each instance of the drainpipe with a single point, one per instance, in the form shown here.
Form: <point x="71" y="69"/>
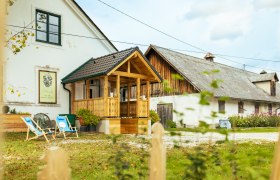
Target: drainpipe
<point x="69" y="97"/>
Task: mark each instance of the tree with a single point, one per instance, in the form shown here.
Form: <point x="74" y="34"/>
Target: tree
<point x="16" y="41"/>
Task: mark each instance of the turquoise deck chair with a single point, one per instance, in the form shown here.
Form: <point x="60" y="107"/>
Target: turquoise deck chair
<point x="37" y="130"/>
<point x="64" y="126"/>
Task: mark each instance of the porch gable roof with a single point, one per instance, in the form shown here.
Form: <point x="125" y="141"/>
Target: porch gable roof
<point x="103" y="65"/>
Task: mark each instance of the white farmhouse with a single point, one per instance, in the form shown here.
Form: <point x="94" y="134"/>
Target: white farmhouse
<point x="249" y="93"/>
<point x="61" y="37"/>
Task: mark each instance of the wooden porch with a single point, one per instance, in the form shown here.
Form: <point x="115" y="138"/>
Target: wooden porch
<point x="121" y="95"/>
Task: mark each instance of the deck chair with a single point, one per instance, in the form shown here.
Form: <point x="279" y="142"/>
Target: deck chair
<point x="64" y="126"/>
<point x="37" y="130"/>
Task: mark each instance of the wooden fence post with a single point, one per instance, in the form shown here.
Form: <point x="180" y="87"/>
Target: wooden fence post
<point x="57" y="167"/>
<point x="2" y="42"/>
<point x="275" y="173"/>
<point x="157" y="166"/>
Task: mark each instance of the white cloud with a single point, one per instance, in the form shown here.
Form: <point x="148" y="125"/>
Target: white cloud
<point x="266" y="4"/>
<point x="230" y="25"/>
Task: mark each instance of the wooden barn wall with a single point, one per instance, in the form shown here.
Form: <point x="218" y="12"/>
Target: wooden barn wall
<point x="166" y="71"/>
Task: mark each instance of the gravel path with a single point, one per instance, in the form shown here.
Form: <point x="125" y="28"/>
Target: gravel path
<point x="192" y="139"/>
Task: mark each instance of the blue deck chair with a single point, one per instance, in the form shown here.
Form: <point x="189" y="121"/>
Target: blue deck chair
<point x="37" y="130"/>
<point x="64" y="126"/>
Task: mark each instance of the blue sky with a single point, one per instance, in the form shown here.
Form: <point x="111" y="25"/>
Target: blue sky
<point x="245" y="28"/>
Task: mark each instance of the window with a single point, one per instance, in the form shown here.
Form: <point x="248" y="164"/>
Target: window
<point x="257" y="108"/>
<point x="48" y="27"/>
<point x="221" y="106"/>
<point x="94" y="89"/>
<point x="240" y="107"/>
<point x="270" y="109"/>
<point x="273" y="88"/>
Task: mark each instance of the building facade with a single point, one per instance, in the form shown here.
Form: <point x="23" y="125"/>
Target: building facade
<point x="59" y="38"/>
<point x="186" y="78"/>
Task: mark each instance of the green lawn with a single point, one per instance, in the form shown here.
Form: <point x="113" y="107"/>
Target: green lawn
<point x="96" y="157"/>
<point x="237" y="130"/>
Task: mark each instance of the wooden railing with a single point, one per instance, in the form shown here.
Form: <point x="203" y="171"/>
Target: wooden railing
<point x="129" y="109"/>
<point x="143" y="108"/>
<point x="97" y="106"/>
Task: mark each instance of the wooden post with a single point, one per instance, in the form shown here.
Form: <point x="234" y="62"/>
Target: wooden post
<point x="275" y="174"/>
<point x="128" y="66"/>
<point x="2" y="42"/>
<point x="57" y="165"/>
<point x="157" y="162"/>
<point x="106" y="109"/>
<point x="138" y="97"/>
<point x="128" y="97"/>
<point x="87" y="90"/>
<point x="118" y="94"/>
<point x="148" y="98"/>
<point x="73" y="92"/>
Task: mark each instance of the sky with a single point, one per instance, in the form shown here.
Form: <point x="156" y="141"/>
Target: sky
<point x="242" y="28"/>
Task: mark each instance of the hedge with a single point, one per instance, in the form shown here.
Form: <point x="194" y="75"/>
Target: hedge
<point x="255" y="120"/>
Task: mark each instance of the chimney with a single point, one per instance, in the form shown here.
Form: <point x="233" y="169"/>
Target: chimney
<point x="263" y="72"/>
<point x="209" y="57"/>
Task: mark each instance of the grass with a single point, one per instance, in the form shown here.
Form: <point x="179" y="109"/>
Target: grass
<point x="236" y="130"/>
<point x="96" y="157"/>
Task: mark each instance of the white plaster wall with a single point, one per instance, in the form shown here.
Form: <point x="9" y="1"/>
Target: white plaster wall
<point x="192" y="117"/>
<point x="21" y="70"/>
<point x="182" y="103"/>
<point x="264" y="85"/>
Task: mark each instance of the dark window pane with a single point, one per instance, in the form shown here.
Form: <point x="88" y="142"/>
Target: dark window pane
<point x="41" y="26"/>
<point x="53" y="29"/>
<point x="41" y="17"/>
<point x="53" y="38"/>
<point x="42" y="36"/>
<point x="53" y="20"/>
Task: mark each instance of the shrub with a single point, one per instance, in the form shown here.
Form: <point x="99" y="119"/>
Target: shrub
<point x="255" y="120"/>
<point x="154" y="116"/>
<point x="89" y="118"/>
<point x="171" y="124"/>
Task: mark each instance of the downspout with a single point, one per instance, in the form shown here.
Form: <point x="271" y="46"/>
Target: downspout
<point x="69" y="97"/>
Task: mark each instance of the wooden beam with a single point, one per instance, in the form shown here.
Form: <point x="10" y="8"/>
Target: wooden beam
<point x="129" y="57"/>
<point x="128" y="98"/>
<point x="128" y="66"/>
<point x="87" y="89"/>
<point x="132" y="75"/>
<point x="118" y="93"/>
<point x="136" y="67"/>
<point x="138" y="97"/>
<point x="148" y="67"/>
<point x="106" y="109"/>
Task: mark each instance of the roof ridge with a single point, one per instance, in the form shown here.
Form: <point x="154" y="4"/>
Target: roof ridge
<point x="201" y="60"/>
<point x="131" y="48"/>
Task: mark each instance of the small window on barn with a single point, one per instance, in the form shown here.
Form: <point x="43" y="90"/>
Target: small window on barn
<point x="48" y="27"/>
<point x="257" y="108"/>
<point x="221" y="106"/>
<point x="273" y="88"/>
<point x="240" y="107"/>
<point x="270" y="109"/>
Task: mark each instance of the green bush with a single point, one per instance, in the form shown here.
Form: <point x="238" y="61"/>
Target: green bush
<point x="154" y="116"/>
<point x="89" y="118"/>
<point x="171" y="124"/>
<point x="255" y="120"/>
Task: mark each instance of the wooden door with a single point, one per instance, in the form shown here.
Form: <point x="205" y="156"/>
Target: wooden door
<point x="165" y="112"/>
